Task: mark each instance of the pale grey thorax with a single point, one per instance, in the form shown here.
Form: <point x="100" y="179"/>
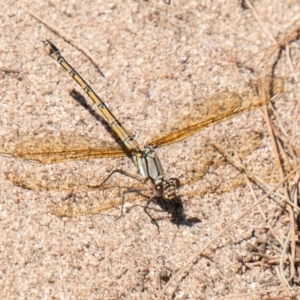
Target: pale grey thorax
<point x="149" y="167"/>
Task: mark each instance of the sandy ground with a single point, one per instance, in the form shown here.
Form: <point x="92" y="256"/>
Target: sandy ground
<point x="158" y="60"/>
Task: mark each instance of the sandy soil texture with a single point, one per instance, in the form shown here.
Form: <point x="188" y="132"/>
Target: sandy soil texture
<point x="155" y="64"/>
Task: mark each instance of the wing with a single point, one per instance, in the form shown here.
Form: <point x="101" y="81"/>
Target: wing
<point x="51" y="149"/>
<point x="220" y="107"/>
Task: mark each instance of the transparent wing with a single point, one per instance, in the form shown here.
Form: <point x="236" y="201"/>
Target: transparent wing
<point x="220" y="107"/>
<point x="67" y="147"/>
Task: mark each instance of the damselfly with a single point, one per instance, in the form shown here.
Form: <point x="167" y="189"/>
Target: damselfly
<point x="214" y="110"/>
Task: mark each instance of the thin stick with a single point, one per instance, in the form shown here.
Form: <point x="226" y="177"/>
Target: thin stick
<point x="194" y="258"/>
<point x="9" y="70"/>
<point x="291" y="234"/>
<point x="283" y="282"/>
<point x="259" y="22"/>
<point x="68" y="39"/>
<point x="244" y="295"/>
<point x="253" y="177"/>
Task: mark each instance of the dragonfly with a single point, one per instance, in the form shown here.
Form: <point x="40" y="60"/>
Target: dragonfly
<point x="213" y="110"/>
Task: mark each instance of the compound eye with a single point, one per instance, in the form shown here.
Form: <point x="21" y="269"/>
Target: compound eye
<point x="158" y="190"/>
<point x="175" y="181"/>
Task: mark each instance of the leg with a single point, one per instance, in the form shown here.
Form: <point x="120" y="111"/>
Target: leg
<point x="138" y="191"/>
<point x="146" y="211"/>
<point x="126" y="191"/>
<point x="113" y="172"/>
